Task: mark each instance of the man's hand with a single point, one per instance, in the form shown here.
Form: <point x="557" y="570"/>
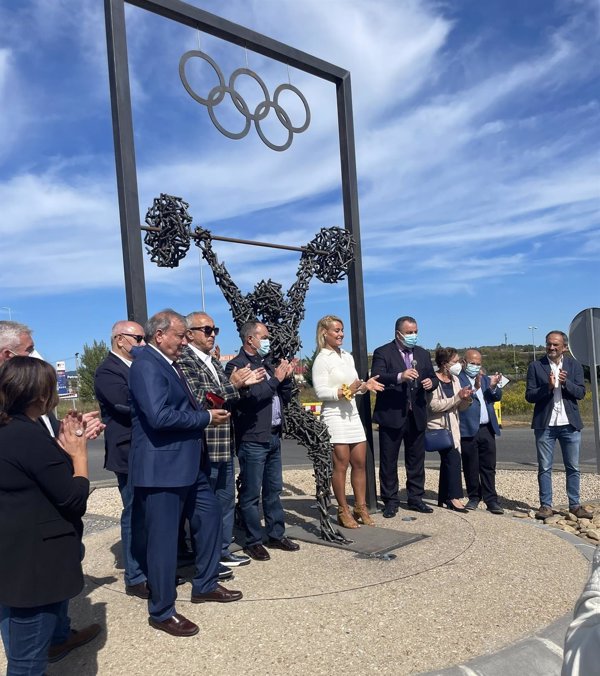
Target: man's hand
<point x="93" y="425"/>
<point x="408" y="375"/>
<point x="238" y="376"/>
<point x="552" y="380"/>
<point x="495" y="379"/>
<point x="562" y="376"/>
<point x="219" y="416"/>
<point x="284" y="370"/>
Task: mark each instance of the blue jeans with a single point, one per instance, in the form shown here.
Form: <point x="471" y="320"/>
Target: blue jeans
<point x="27" y="634"/>
<point x="260" y="468"/>
<point x="223" y="486"/>
<point x="569" y="439"/>
<point x="133" y="571"/>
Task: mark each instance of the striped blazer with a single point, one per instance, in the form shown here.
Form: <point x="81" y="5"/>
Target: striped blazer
<point x="219" y="439"/>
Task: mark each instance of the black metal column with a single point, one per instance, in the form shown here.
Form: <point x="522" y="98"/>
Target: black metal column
<point x="355" y="274"/>
<point x="129" y="210"/>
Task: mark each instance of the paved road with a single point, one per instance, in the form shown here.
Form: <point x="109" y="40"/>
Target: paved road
<point x="515" y="445"/>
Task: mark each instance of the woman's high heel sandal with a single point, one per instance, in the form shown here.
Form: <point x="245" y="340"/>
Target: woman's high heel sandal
<point x="345" y="519"/>
<point x="362" y="515"/>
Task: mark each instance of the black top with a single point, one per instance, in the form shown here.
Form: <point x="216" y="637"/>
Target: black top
<point x="447" y="389"/>
<point x="41" y="505"/>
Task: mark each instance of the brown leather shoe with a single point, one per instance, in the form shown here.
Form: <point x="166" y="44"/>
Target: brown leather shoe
<point x="285" y="543"/>
<point x="76" y="639"/>
<point x="218" y="595"/>
<point x="140" y="590"/>
<point x="257" y="552"/>
<point x="544" y="512"/>
<point x="176" y="625"/>
<point x="581" y="512"/>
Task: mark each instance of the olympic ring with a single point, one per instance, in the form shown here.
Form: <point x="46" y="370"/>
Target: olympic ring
<point x="218" y="92"/>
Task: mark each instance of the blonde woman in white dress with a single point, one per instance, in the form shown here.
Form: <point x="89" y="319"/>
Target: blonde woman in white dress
<point x="336" y="383"/>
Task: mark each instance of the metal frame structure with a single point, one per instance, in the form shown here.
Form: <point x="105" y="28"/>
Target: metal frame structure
<point x="118" y="67"/>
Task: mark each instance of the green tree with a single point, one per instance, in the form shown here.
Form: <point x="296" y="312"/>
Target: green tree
<point x="91" y="358"/>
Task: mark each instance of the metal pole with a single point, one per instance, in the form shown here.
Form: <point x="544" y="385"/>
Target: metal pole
<point x="251" y="242"/>
<point x="129" y="210"/>
<point x="9" y="313"/>
<point x="355" y="275"/>
<point x="533" y="328"/>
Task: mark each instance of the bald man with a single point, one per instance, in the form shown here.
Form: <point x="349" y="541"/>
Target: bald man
<point x="478" y="430"/>
<point x="111" y="383"/>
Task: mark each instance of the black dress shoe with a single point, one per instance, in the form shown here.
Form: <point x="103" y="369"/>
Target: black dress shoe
<point x="225" y="573"/>
<point x="390" y="511"/>
<point x="257" y="552"/>
<point x="234" y="560"/>
<point x="176" y="625"/>
<point x="420" y="507"/>
<point x="454" y="508"/>
<point x="76" y="639"/>
<point x="217" y="595"/>
<point x="285" y="544"/>
<point x="140" y="590"/>
<point x="472" y="505"/>
<point x="494" y="508"/>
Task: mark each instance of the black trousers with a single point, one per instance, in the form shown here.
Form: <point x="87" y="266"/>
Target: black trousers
<point x="390" y="439"/>
<point x="479" y="464"/>
<point x="450" y="485"/>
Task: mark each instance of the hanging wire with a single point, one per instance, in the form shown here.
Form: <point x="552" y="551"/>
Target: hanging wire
<point x="246" y="53"/>
<point x="288" y="71"/>
<point x="198" y="35"/>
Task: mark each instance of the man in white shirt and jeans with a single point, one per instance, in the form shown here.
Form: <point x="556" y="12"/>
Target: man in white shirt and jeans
<point x="555" y="385"/>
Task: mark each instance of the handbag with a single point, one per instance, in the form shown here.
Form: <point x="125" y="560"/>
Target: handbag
<point x="440" y="439"/>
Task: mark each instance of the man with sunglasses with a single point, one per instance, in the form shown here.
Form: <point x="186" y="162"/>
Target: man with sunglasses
<point x="111" y="384"/>
<point x="206" y="377"/>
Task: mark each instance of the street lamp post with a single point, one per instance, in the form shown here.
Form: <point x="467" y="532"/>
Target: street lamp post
<point x="9" y="312"/>
<point x="533" y="329"/>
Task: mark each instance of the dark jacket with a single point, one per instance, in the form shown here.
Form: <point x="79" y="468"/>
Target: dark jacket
<point x="252" y="411"/>
<point x="470" y="417"/>
<point x="392" y="404"/>
<point x="167" y="428"/>
<point x="538" y="391"/>
<point x="111" y="384"/>
<point x="41" y="505"/>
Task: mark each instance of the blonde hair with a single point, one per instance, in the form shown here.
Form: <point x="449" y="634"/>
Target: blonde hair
<point x="322" y="326"/>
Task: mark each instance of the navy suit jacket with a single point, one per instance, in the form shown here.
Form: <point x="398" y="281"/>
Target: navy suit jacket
<point x="166" y="442"/>
<point x="470" y="417"/>
<point x="538" y="391"/>
<point x="111" y="384"/>
<point x="392" y="404"/>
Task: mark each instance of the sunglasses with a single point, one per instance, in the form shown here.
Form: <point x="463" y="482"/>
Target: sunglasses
<point x="206" y="330"/>
<point x="138" y="339"/>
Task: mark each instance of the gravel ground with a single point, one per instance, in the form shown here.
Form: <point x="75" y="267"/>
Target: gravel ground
<point x="517" y="489"/>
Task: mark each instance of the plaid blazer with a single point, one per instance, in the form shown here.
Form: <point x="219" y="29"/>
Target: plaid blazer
<point x="219" y="439"/>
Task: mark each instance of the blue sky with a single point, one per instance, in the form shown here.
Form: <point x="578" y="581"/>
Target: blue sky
<point x="477" y="144"/>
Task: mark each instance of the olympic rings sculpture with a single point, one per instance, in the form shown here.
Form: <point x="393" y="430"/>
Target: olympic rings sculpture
<point x="217" y="95"/>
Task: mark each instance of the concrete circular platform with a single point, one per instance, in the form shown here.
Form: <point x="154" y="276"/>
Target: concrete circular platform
<point x="476" y="583"/>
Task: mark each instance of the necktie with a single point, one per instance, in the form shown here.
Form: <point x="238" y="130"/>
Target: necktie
<point x="407" y="360"/>
<point x="186" y="387"/>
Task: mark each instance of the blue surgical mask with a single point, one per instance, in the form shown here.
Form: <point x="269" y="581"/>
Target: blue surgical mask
<point x="265" y="347"/>
<point x="472" y="370"/>
<point x="410" y="340"/>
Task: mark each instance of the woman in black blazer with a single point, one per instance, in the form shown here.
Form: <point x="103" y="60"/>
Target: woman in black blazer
<point x="43" y="495"/>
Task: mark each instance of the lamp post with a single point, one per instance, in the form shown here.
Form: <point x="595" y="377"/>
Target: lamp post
<point x="9" y="312"/>
<point x="533" y="329"/>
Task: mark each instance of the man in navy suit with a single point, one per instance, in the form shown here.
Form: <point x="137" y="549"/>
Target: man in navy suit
<point x="170" y="474"/>
<point x="111" y="384"/>
<point x="478" y="431"/>
<point x="555" y="385"/>
<point x="401" y="413"/>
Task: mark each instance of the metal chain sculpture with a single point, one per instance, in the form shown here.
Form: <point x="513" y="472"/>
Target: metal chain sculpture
<point x="326" y="257"/>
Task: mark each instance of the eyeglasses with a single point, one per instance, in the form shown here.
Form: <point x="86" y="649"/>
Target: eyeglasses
<point x="138" y="339"/>
<point x="206" y="330"/>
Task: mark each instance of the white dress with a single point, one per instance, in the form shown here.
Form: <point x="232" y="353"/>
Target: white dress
<point x="329" y="372"/>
